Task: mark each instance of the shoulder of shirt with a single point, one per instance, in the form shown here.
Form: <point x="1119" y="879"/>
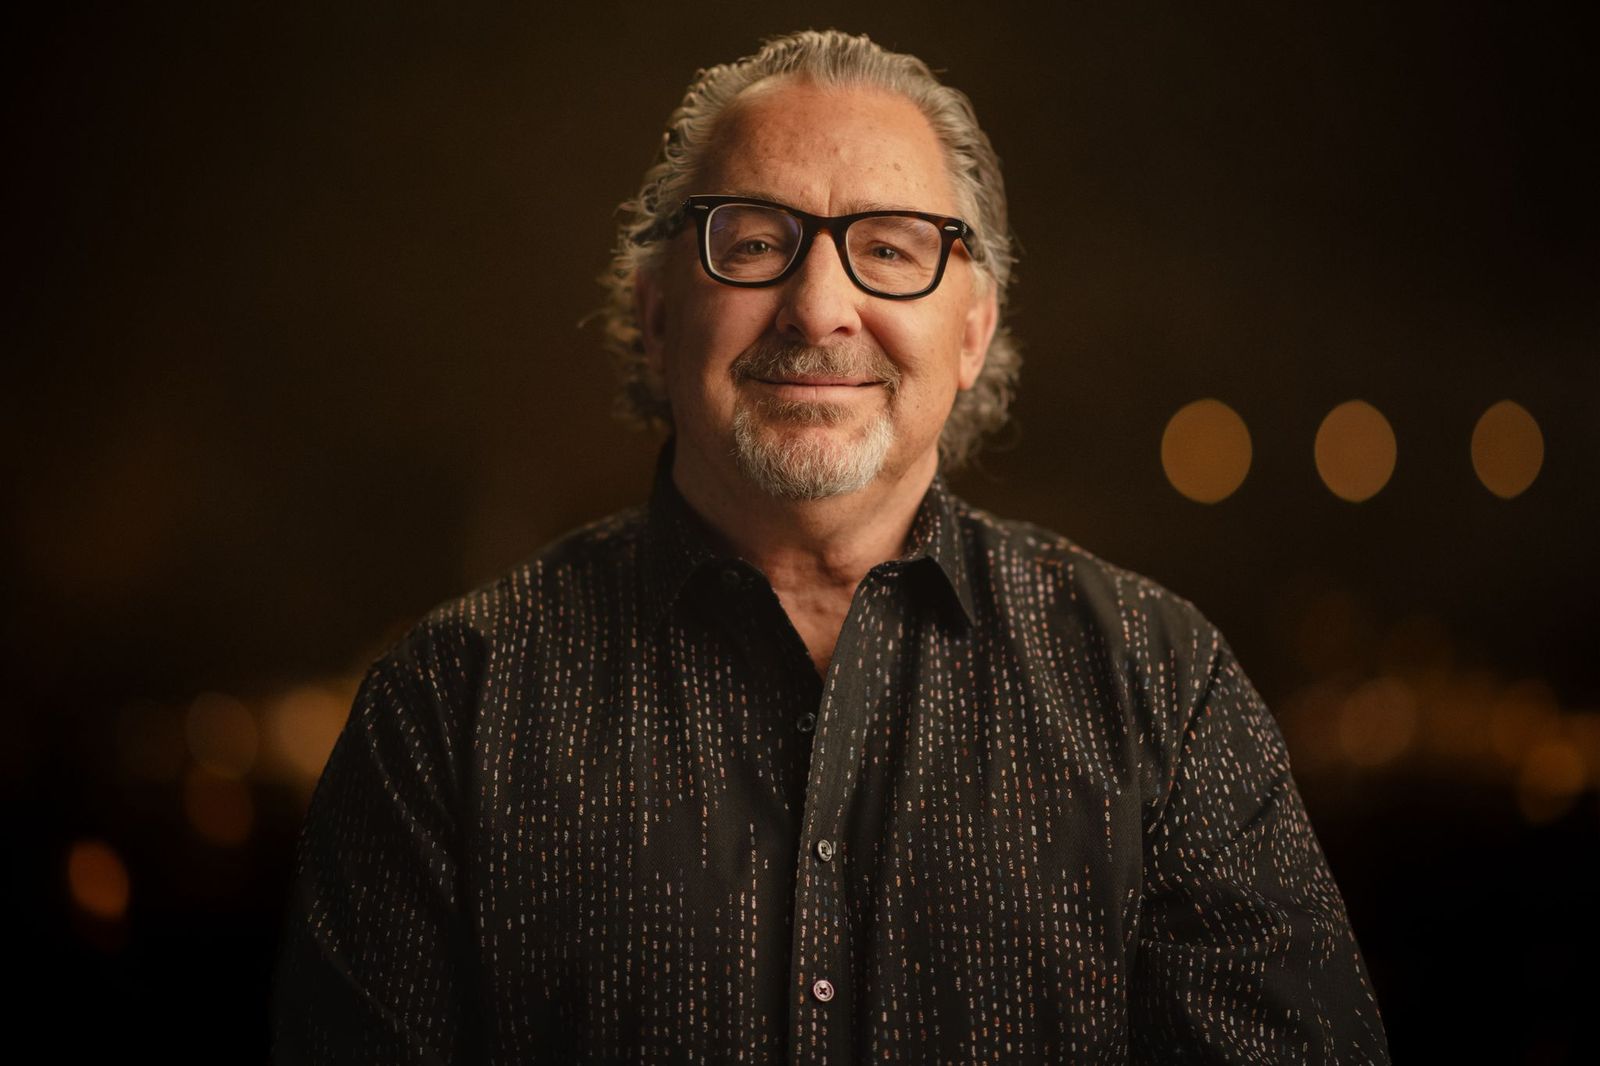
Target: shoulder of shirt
<point x="1084" y="579"/>
<point x="1159" y="655"/>
<point x="474" y="620"/>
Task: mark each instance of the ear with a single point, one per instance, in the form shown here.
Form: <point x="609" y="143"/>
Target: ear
<point x="650" y="312"/>
<point x="978" y="330"/>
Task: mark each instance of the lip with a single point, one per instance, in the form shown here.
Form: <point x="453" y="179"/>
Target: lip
<point x="814" y="382"/>
<point x="818" y="389"/>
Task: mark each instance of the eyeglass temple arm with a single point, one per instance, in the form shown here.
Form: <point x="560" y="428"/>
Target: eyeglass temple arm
<point x="665" y="226"/>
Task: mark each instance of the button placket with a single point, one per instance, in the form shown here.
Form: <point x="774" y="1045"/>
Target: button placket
<point x="821" y="927"/>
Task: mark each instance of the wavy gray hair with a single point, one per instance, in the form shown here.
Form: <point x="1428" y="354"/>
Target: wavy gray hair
<point x="835" y="59"/>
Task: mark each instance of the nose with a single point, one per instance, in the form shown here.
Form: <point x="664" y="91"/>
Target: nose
<point x="819" y="299"/>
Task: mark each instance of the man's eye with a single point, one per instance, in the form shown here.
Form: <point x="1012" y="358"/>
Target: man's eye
<point x="753" y="246"/>
<point x="888" y="253"/>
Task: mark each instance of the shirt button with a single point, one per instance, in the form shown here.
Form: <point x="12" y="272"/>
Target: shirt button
<point x="822" y="988"/>
<point x="825" y="850"/>
<point x="807" y="722"/>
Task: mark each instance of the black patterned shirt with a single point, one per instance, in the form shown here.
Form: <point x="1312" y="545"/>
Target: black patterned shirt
<point x="604" y="809"/>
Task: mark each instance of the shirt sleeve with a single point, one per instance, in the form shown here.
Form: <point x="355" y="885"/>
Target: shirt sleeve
<point x="375" y="964"/>
<point x="1244" y="952"/>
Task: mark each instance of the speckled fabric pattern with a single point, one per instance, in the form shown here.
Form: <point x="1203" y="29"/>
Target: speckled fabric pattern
<point x="603" y="809"/>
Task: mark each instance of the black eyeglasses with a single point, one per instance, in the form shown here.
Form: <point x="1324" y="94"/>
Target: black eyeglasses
<point x="899" y="255"/>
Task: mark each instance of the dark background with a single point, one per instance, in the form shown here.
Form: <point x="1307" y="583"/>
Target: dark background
<point x="295" y="354"/>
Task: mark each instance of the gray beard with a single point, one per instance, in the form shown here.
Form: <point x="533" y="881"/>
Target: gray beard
<point x="811" y="468"/>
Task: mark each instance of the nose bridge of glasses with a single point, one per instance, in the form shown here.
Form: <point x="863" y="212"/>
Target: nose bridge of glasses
<point x="835" y="229"/>
<point x="820" y="298"/>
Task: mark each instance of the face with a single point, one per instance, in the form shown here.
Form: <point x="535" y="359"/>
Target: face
<point x="812" y="387"/>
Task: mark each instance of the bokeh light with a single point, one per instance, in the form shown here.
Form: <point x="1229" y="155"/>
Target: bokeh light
<point x="1310" y="718"/>
<point x="222" y="734"/>
<point x="1377" y="721"/>
<point x="1522" y="716"/>
<point x="1459" y="707"/>
<point x="97" y="879"/>
<point x="1507" y="449"/>
<point x="1205" y="451"/>
<point x="219" y="808"/>
<point x="1355" y="451"/>
<point x="1553" y="774"/>
<point x="1514" y="735"/>
<point x="300" y="726"/>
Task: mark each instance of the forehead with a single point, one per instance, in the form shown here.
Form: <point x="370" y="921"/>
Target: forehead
<point x="829" y="150"/>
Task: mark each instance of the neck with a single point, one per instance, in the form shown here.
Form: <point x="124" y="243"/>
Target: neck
<point x="809" y="549"/>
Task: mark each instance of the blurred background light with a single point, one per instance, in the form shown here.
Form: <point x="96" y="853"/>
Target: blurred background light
<point x="1355" y="451"/>
<point x="1522" y="715"/>
<point x="1552" y="776"/>
<point x="1377" y="721"/>
<point x="1507" y="449"/>
<point x="222" y="734"/>
<point x="299" y="729"/>
<point x="97" y="879"/>
<point x="219" y="808"/>
<point x="1205" y="451"/>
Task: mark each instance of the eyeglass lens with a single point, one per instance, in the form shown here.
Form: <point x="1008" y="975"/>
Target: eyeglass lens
<point x="891" y="254"/>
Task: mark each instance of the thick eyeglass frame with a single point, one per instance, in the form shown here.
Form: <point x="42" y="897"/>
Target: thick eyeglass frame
<point x="700" y="208"/>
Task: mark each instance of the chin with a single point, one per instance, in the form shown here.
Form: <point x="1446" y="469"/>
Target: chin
<point x="802" y="463"/>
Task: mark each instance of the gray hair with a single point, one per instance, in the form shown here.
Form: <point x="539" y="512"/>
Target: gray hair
<point x="829" y="58"/>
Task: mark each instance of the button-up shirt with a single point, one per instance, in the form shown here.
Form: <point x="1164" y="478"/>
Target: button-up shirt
<point x="604" y="809"/>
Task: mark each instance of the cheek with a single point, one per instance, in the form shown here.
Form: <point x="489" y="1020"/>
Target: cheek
<point x="928" y="350"/>
<point x="716" y="324"/>
<point x="705" y="337"/>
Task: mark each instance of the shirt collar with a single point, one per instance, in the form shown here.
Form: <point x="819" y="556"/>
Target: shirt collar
<point x="677" y="543"/>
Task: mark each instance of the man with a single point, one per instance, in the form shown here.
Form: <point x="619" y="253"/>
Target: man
<point x="809" y="760"/>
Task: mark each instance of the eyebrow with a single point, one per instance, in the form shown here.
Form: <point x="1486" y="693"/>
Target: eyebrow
<point x="856" y="207"/>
